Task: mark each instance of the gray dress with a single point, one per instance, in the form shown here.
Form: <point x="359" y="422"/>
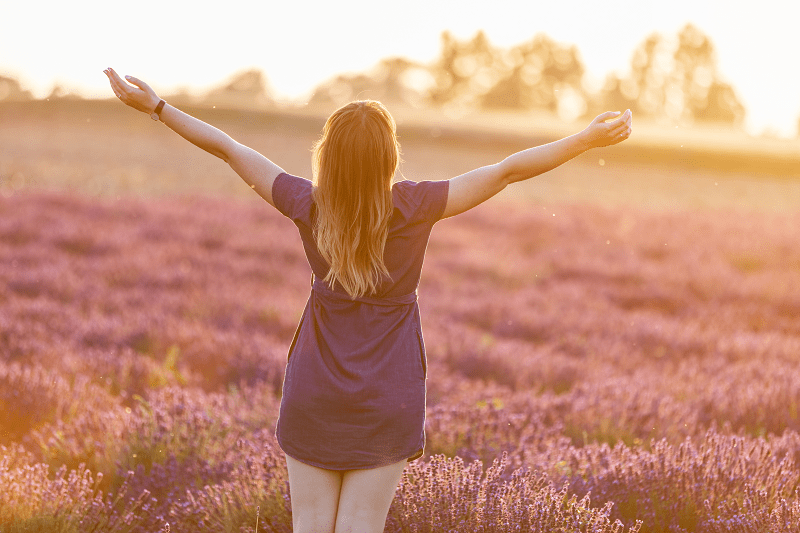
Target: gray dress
<point x="354" y="387"/>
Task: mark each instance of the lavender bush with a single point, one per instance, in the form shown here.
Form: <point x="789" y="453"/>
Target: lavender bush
<point x="587" y="371"/>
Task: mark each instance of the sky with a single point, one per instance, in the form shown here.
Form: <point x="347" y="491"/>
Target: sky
<point x="298" y="44"/>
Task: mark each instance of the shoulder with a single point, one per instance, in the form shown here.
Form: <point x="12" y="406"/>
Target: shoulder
<point x="402" y="190"/>
<point x="292" y="183"/>
<point x="425" y="199"/>
<point x="292" y="195"/>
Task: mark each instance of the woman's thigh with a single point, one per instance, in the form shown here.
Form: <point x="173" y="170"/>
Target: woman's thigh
<point x="315" y="496"/>
<point x="366" y="496"/>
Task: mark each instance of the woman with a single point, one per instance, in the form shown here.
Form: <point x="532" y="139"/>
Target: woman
<point x="353" y="406"/>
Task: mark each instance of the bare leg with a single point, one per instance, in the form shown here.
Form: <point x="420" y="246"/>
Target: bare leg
<point x="365" y="498"/>
<point x="315" y="497"/>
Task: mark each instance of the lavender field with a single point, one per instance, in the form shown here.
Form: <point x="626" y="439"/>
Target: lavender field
<point x="591" y="368"/>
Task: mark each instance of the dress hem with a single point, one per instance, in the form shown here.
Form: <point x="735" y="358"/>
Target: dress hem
<point x="412" y="457"/>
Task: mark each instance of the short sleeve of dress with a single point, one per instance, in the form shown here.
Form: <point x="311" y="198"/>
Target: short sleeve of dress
<point x="430" y="199"/>
<point x="292" y="196"/>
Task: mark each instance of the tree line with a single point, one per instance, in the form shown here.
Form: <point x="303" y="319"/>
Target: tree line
<point x="674" y="78"/>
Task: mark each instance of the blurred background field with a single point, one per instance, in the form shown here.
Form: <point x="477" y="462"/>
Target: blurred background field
<point x="472" y="104"/>
<point x="614" y="340"/>
<point x="105" y="149"/>
<point x="622" y="329"/>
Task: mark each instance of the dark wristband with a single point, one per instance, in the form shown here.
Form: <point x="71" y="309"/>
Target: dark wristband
<point x="156" y="115"/>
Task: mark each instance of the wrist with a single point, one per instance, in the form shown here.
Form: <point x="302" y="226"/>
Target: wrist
<point x="584" y="139"/>
<point x="156" y="113"/>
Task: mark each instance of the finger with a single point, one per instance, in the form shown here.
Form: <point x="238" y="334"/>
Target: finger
<point x="611" y="130"/>
<point x="114" y="75"/>
<point x="119" y="82"/>
<point x="118" y="91"/>
<point x="617" y="127"/>
<point x="114" y="88"/>
<point x="623" y="122"/>
<point x="110" y="78"/>
<point x="607" y="115"/>
<point x="623" y="118"/>
<point x="121" y="89"/>
<point x="139" y="83"/>
<point x="110" y="82"/>
<point x="116" y="82"/>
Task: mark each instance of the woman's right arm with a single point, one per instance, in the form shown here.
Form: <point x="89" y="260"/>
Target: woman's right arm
<point x="255" y="169"/>
<point x="475" y="187"/>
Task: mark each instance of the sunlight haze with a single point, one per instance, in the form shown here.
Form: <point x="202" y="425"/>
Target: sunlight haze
<point x="175" y="45"/>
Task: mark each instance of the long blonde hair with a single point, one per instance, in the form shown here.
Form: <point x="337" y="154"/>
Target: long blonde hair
<point x="354" y="163"/>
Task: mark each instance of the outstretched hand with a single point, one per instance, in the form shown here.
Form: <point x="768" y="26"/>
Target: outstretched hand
<point x="139" y="95"/>
<point x="601" y="133"/>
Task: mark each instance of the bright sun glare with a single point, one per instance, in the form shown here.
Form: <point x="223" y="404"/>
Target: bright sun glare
<point x="298" y="45"/>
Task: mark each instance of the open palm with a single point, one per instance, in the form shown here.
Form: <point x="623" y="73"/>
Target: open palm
<point x="139" y="95"/>
<point x="602" y="133"/>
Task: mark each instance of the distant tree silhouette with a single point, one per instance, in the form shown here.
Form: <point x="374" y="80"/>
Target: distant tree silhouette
<point x="617" y="94"/>
<point x="245" y="89"/>
<point x="645" y="89"/>
<point x="675" y="78"/>
<point x="390" y="76"/>
<point x="464" y="70"/>
<point x="705" y="96"/>
<point x="534" y="72"/>
<point x="721" y="104"/>
<point x="12" y="91"/>
<point x="678" y="80"/>
<point x="59" y="92"/>
<point x="470" y="73"/>
<point x="474" y="73"/>
<point x="649" y="73"/>
<point x="344" y="88"/>
<point x="392" y="80"/>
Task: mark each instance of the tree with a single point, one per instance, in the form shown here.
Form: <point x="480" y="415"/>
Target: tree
<point x="464" y="70"/>
<point x="344" y="88"/>
<point x="719" y="105"/>
<point x="650" y="70"/>
<point x="644" y="90"/>
<point x="12" y="91"/>
<point x="673" y="78"/>
<point x="617" y="94"/>
<point x="540" y="73"/>
<point x="392" y="80"/>
<point x="536" y="72"/>
<point x="705" y="96"/>
<point x="245" y="89"/>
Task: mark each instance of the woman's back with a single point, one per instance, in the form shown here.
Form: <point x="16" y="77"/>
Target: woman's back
<point x="416" y="208"/>
<point x="354" y="390"/>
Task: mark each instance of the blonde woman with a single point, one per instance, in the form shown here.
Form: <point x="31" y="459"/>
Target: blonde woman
<point x="353" y="407"/>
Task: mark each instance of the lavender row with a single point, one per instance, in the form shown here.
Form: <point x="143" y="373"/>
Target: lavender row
<point x="645" y="359"/>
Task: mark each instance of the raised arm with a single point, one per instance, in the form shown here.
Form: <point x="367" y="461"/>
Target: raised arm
<point x="475" y="187"/>
<point x="255" y="169"/>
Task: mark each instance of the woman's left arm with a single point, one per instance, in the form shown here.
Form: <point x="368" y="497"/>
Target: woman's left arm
<point x="255" y="169"/>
